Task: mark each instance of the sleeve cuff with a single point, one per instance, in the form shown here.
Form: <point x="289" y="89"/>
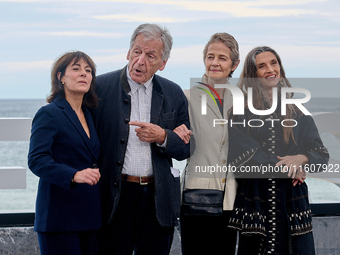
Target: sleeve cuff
<point x="165" y="142"/>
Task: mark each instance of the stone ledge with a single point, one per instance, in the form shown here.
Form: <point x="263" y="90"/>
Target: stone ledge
<point x="326" y="232"/>
<point x="24" y="241"/>
<point x="18" y="240"/>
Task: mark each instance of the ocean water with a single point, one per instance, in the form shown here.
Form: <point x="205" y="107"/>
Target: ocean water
<point x="15" y="154"/>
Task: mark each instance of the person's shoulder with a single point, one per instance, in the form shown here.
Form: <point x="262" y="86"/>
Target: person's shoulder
<point x="166" y="83"/>
<point x="46" y="111"/>
<point x="106" y="82"/>
<point x="170" y="88"/>
<point x="49" y="107"/>
<point x="305" y="119"/>
<point x="299" y="115"/>
<point x="187" y="93"/>
<point x="109" y="76"/>
<point x="192" y="92"/>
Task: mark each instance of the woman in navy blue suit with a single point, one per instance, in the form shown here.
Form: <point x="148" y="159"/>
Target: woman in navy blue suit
<point x="63" y="152"/>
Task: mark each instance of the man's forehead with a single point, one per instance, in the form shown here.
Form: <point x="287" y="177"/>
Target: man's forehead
<point x="150" y="45"/>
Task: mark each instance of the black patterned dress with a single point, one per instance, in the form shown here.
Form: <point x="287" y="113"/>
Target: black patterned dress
<point x="268" y="208"/>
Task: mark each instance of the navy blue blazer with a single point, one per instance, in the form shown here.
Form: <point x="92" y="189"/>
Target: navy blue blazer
<point x="59" y="147"/>
<point x="169" y="109"/>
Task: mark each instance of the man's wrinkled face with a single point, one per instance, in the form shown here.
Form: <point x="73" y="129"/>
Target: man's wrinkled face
<point x="145" y="59"/>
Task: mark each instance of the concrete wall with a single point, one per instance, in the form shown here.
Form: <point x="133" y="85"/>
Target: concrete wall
<point x="327" y="235"/>
<point x="18" y="241"/>
<point x="23" y="240"/>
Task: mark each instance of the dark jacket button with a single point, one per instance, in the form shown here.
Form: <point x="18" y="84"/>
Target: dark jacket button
<point x="126" y="120"/>
<point x="119" y="163"/>
<point x="122" y="141"/>
<point x="126" y="101"/>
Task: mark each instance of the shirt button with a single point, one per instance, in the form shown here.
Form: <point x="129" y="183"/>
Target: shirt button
<point x="224" y="161"/>
<point x="223" y="180"/>
<point x="223" y="143"/>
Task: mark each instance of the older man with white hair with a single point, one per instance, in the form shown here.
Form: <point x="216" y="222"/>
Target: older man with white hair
<point x="138" y="111"/>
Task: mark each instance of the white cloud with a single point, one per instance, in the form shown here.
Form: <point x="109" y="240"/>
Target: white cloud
<point x="292" y="55"/>
<point x="244" y="9"/>
<point x="25" y="66"/>
<point x="179" y="56"/>
<point x="143" y="18"/>
<point x="262" y="8"/>
<point x="45" y="65"/>
<point x="119" y="58"/>
<point x="21" y="1"/>
<point x="301" y="58"/>
<point x="309" y="54"/>
<point x="83" y="33"/>
<point x="191" y="54"/>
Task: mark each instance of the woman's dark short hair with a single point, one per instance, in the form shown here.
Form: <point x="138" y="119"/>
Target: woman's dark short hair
<point x="59" y="66"/>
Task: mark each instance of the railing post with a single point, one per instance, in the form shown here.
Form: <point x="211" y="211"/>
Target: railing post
<point x="14" y="129"/>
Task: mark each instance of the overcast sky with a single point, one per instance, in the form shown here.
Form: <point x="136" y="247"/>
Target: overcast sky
<point x="305" y="33"/>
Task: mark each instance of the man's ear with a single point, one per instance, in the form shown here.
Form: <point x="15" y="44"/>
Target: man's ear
<point x="163" y="65"/>
<point x="128" y="55"/>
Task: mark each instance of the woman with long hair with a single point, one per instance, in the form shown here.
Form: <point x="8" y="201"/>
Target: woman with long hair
<point x="272" y="210"/>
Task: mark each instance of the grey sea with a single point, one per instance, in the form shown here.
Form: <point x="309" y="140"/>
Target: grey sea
<point x="15" y="154"/>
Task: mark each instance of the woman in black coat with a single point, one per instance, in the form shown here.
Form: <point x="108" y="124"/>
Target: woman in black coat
<point x="272" y="210"/>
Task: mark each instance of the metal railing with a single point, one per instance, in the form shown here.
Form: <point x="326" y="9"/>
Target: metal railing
<point x="14" y="129"/>
<point x="14" y="177"/>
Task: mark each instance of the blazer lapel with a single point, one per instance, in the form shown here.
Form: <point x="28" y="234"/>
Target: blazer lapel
<point x="124" y="82"/>
<point x="73" y="118"/>
<point x="94" y="138"/>
<point x="227" y="104"/>
<point x="210" y="103"/>
<point x="156" y="101"/>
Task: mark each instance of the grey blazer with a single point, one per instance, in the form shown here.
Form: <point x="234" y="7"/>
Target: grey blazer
<point x="211" y="147"/>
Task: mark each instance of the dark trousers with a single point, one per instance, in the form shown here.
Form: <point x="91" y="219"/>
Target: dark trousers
<point x="68" y="243"/>
<point x="134" y="227"/>
<point x="208" y="235"/>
